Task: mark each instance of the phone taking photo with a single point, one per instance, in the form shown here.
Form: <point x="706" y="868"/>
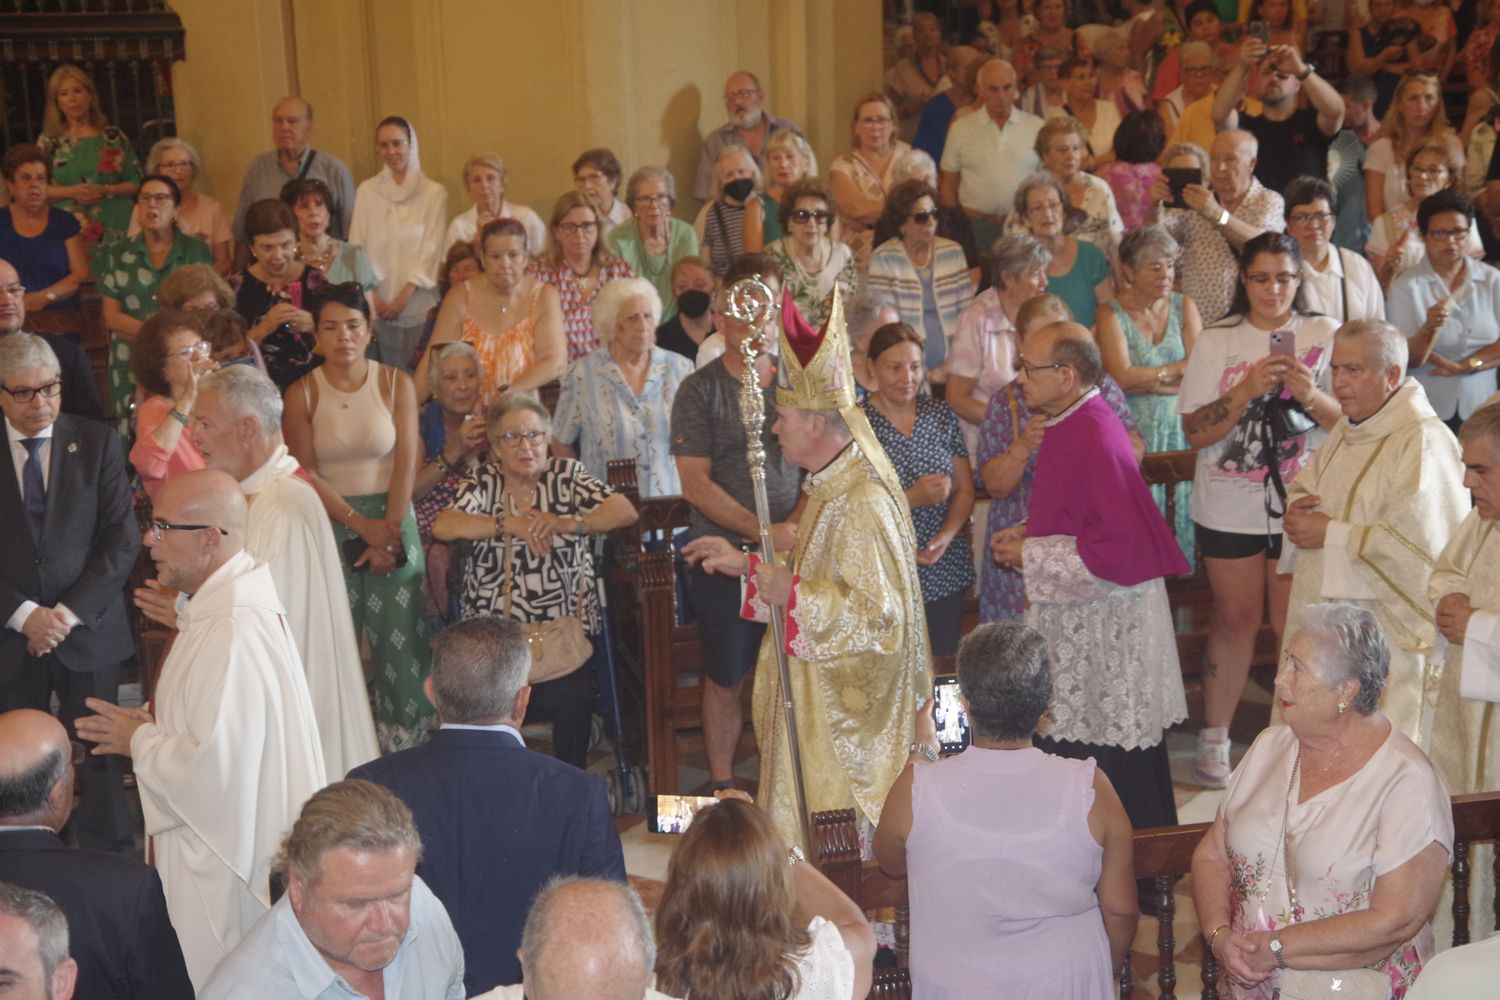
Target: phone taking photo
<point x="1178" y="178"/>
<point x="948" y="713"/>
<point x="674" y="813"/>
<point x="1261" y="30"/>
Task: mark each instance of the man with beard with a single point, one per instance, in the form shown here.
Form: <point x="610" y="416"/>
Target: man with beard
<point x="750" y="125"/>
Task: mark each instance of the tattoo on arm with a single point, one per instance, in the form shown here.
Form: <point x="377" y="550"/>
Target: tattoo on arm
<point x="1210" y="668"/>
<point x="1208" y="416"/>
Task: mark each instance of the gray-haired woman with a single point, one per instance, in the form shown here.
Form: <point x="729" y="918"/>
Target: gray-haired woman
<point x="616" y="401"/>
<point x="1145" y="335"/>
<point x="1079" y="272"/>
<point x="985" y="344"/>
<point x="1330" y="846"/>
<point x="653" y="241"/>
<point x="198" y="215"/>
<point x="1030" y="894"/>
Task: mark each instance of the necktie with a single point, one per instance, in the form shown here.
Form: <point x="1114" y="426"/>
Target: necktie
<point x="33" y="492"/>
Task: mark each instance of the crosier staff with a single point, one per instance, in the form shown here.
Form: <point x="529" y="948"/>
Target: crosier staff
<point x="752" y="303"/>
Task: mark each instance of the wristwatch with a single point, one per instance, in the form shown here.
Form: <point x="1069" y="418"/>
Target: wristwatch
<point x="51" y="295"/>
<point x="578" y="524"/>
<point x="1275" y="946"/>
<point x="1307" y="71"/>
<point x="925" y="750"/>
<point x="1223" y="219"/>
<point x="1475" y="364"/>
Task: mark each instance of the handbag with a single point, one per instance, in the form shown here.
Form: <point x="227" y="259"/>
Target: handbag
<point x="1316" y="984"/>
<point x="1281" y="421"/>
<point x="559" y="646"/>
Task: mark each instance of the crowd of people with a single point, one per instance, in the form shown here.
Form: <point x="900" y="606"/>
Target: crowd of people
<point x="375" y="444"/>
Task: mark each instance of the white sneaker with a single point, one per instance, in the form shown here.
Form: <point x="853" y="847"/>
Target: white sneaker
<point x="1212" y="767"/>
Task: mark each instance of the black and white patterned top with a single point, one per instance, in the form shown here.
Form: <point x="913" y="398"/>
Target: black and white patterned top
<point x="935" y="442"/>
<point x="542" y="587"/>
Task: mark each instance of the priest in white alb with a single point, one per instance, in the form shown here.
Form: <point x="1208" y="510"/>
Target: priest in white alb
<point x="1367" y="517"/>
<point x="237" y="429"/>
<point x="228" y="751"/>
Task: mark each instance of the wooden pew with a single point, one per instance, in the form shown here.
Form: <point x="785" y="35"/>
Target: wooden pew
<point x="87" y="324"/>
<point x="1162" y="854"/>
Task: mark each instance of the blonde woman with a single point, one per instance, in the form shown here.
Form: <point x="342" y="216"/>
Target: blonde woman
<point x="95" y="172"/>
<point x="486" y="179"/>
<point x="788" y="159"/>
<point x="860" y="178"/>
<point x="1415" y="116"/>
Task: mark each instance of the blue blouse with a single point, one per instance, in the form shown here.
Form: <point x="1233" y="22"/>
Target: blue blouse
<point x="41" y="261"/>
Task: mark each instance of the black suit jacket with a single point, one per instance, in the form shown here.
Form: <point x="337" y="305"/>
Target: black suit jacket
<point x="497" y="821"/>
<point x="89" y="544"/>
<point x="118" y="930"/>
<point x="80" y="394"/>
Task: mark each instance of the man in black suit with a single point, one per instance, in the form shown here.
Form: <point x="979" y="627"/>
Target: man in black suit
<point x="69" y="542"/>
<point x="119" y="932"/>
<point x="497" y="820"/>
<point x="80" y="396"/>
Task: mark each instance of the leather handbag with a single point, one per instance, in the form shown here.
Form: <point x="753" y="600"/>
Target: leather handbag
<point x="559" y="646"/>
<point x="1346" y="984"/>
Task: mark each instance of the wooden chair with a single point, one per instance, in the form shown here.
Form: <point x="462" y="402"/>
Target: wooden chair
<point x="87" y="324"/>
<point x="1163" y="854"/>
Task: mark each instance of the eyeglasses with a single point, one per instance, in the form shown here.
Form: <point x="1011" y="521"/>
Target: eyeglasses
<point x="653" y="199"/>
<point x="157" y="527"/>
<point x="1444" y="235"/>
<point x="872" y="122"/>
<point x="200" y="350"/>
<point x="153" y="199"/>
<point x="740" y="95"/>
<point x="577" y="227"/>
<point x="1283" y="280"/>
<point x="1316" y="218"/>
<point x="922" y="218"/>
<point x="26" y="395"/>
<point x="1436" y="171"/>
<point x="1196" y="70"/>
<point x="592" y="178"/>
<point x="1022" y="365"/>
<point x="808" y="215"/>
<point x="174" y="165"/>
<point x="14" y="291"/>
<point x="514" y="438"/>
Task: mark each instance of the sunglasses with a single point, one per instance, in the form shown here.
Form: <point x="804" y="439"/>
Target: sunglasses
<point x="808" y="215"/>
<point x="922" y="218"/>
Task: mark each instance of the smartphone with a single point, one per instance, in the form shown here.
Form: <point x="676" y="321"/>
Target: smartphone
<point x="1284" y="342"/>
<point x="948" y="712"/>
<point x="1179" y="178"/>
<point x="673" y="813"/>
<point x="355" y="547"/>
<point x="1261" y="30"/>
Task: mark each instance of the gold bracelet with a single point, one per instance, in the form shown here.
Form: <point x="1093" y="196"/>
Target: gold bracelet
<point x="1221" y="927"/>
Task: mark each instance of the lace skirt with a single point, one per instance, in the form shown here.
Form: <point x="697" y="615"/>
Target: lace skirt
<point x="1115" y="676"/>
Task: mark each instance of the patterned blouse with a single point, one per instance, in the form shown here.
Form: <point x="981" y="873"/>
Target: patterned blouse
<point x="288" y="353"/>
<point x="578" y="300"/>
<point x="934" y="443"/>
<point x="546" y="587"/>
<point x="597" y="408"/>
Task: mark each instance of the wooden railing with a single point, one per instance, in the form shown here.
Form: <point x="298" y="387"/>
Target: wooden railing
<point x="1163" y="854"/>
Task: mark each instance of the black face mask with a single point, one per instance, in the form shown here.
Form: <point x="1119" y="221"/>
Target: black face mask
<point x="692" y="303"/>
<point x="740" y="189"/>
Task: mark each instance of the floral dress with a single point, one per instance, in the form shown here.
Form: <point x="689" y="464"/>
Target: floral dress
<point x="1341" y="841"/>
<point x="288" y="352"/>
<point x="106" y="158"/>
<point x="1160" y="423"/>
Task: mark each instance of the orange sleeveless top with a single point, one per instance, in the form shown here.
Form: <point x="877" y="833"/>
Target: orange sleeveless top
<point x="505" y="355"/>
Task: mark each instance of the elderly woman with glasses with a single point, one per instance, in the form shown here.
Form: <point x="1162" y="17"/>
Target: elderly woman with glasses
<point x="1145" y="335"/>
<point x="577" y="265"/>
<point x="485" y="178"/>
<point x="788" y="159"/>
<point x="1238" y="367"/>
<point x="860" y="178"/>
<point x="596" y="175"/>
<point x="130" y="273"/>
<point x="1062" y="143"/>
<point x="813" y="263"/>
<point x="924" y="275"/>
<point x="1452" y="303"/>
<point x="170" y="356"/>
<point x="529" y="518"/>
<point x="199" y="215"/>
<point x="1329" y="849"/>
<point x="1395" y="243"/>
<point x="1079" y="273"/>
<point x="653" y="241"/>
<point x="616" y="401"/>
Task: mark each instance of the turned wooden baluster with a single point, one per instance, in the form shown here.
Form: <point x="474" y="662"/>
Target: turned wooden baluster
<point x="1166" y="944"/>
<point x="1460" y="892"/>
<point x="1210" y="975"/>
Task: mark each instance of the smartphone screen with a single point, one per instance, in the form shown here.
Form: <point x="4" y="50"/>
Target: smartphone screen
<point x="673" y="813"/>
<point x="948" y="712"/>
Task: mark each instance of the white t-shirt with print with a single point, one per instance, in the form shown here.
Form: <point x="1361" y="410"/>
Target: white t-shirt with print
<point x="1229" y="486"/>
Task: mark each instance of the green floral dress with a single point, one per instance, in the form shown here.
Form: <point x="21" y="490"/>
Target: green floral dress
<point x="106" y="158"/>
<point x="125" y="273"/>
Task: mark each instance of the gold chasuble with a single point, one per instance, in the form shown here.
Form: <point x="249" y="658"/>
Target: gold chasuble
<point x="856" y="631"/>
<point x="1393" y="485"/>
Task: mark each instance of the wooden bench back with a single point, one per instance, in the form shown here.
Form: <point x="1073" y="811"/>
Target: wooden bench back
<point x="1162" y="854"/>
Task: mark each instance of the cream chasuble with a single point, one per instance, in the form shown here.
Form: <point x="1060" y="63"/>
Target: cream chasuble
<point x="229" y="760"/>
<point x="289" y="531"/>
<point x="857" y="637"/>
<point x="1393" y="485"/>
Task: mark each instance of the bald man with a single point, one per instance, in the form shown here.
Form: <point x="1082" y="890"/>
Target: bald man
<point x="989" y="152"/>
<point x="1094" y="549"/>
<point x="294" y="159"/>
<point x="119" y="933"/>
<point x="585" y="938"/>
<point x="232" y="752"/>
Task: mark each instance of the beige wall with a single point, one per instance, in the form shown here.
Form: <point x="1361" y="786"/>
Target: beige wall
<point x="537" y="82"/>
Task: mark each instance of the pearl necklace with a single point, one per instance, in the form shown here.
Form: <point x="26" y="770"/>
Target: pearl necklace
<point x="312" y="258"/>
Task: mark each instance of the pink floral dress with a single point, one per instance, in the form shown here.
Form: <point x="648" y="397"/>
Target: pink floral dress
<point x="1343" y="839"/>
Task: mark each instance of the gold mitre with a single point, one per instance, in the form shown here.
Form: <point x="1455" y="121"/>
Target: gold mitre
<point x="813" y="372"/>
